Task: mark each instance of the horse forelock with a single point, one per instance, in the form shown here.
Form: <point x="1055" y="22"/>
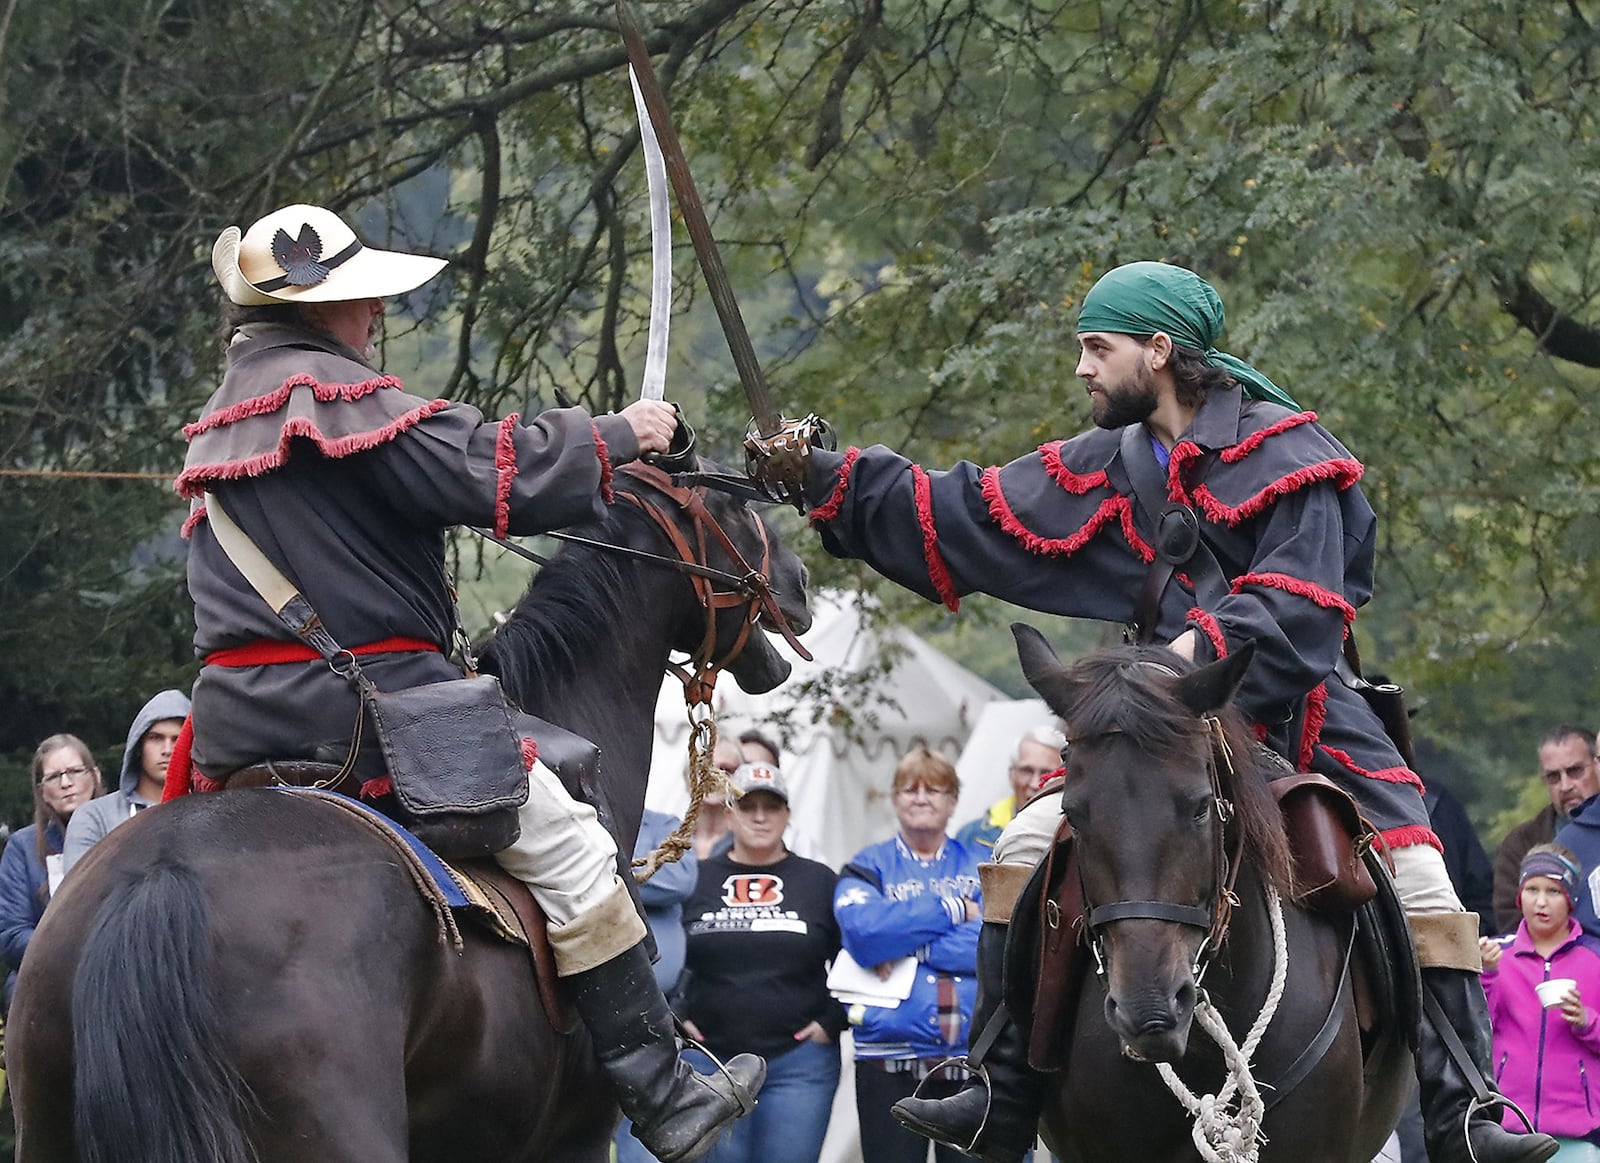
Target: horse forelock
<point x="1128" y="691"/>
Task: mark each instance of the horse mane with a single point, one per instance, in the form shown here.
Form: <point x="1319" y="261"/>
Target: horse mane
<point x="1128" y="690"/>
<point x="571" y="612"/>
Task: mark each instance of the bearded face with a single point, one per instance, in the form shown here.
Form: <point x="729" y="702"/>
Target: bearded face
<point x="1129" y="400"/>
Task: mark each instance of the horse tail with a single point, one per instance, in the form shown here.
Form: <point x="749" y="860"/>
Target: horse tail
<point x="152" y="1079"/>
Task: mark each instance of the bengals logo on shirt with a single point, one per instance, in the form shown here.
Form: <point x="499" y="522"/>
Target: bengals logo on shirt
<point x="752" y="888"/>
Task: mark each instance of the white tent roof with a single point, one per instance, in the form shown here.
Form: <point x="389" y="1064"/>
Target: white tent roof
<point x="901" y="692"/>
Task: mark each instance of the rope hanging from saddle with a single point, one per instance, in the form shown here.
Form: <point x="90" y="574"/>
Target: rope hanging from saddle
<point x="1227" y="1124"/>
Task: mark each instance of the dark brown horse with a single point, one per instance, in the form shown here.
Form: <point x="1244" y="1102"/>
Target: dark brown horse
<point x="1168" y="801"/>
<point x="250" y="976"/>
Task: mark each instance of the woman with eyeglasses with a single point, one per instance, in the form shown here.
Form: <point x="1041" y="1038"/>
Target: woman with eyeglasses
<point x="914" y="895"/>
<point x="65" y="777"/>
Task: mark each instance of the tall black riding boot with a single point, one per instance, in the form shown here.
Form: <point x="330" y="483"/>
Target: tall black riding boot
<point x="1450" y="1087"/>
<point x="676" y="1112"/>
<point x="997" y="1121"/>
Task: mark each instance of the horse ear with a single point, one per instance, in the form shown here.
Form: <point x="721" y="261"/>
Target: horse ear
<point x="1041" y="666"/>
<point x="1210" y="688"/>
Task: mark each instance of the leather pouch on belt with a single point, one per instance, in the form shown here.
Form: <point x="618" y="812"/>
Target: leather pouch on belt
<point x="455" y="762"/>
<point x="1327" y="837"/>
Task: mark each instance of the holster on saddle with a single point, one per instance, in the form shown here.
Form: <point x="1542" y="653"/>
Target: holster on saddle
<point x="1047" y="960"/>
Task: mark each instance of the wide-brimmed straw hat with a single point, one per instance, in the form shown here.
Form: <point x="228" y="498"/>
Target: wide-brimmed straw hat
<point x="305" y="254"/>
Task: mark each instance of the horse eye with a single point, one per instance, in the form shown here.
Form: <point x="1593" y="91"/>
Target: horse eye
<point x="1202" y="810"/>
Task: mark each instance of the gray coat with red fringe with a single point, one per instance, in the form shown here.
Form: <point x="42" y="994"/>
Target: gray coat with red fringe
<point x="347" y="484"/>
<point x="1054" y="531"/>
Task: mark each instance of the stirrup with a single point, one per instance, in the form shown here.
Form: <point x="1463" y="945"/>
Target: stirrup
<point x="979" y="1072"/>
<point x="1478" y="1106"/>
<point x="747" y="1102"/>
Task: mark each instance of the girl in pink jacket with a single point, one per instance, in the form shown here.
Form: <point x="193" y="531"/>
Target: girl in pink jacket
<point x="1547" y="1052"/>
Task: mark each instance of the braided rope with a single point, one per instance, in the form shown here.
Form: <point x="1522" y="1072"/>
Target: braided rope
<point x="1228" y="1129"/>
<point x="705" y="778"/>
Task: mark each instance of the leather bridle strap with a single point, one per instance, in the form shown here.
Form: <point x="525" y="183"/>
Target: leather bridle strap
<point x="1150" y="911"/>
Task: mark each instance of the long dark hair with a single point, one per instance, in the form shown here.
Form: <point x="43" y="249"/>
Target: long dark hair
<point x="235" y="316"/>
<point x="44" y="816"/>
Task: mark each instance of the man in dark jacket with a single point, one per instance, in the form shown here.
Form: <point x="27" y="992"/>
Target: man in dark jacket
<point x="1571" y="775"/>
<point x="346" y="484"/>
<point x="1061" y="531"/>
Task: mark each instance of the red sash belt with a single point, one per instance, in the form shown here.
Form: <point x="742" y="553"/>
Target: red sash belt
<point x="269" y="651"/>
<point x="264" y="652"/>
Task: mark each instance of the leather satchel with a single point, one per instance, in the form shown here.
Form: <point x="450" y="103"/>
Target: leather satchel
<point x="1329" y="839"/>
<point x="455" y="761"/>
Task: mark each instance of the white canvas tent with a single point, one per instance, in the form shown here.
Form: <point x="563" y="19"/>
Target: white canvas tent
<point x="985" y="759"/>
<point x="838" y="783"/>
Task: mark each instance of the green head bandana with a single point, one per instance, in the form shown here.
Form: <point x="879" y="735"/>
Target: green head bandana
<point x="1142" y="298"/>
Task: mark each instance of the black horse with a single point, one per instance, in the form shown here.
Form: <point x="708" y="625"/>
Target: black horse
<point x="251" y="976"/>
<point x="1167" y="800"/>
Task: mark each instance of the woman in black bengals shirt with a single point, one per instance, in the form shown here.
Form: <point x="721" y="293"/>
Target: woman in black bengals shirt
<point x="761" y="932"/>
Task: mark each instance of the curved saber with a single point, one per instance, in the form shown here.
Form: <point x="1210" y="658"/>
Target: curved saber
<point x="654" y="385"/>
<point x="694" y="219"/>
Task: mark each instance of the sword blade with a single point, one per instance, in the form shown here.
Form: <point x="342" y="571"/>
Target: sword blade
<point x="654" y="384"/>
<point x="751" y="377"/>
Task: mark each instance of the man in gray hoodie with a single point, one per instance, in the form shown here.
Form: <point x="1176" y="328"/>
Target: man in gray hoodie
<point x="144" y="772"/>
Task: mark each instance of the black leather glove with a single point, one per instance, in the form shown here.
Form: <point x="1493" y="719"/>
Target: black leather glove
<point x="777" y="462"/>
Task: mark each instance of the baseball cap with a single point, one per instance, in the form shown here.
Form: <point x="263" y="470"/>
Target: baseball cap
<point x="751" y="777"/>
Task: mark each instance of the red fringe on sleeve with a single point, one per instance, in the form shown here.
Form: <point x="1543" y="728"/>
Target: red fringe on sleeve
<point x="505" y="470"/>
<point x="938" y="573"/>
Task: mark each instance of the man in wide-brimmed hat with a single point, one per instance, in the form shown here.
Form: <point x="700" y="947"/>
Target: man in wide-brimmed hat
<point x="346" y="481"/>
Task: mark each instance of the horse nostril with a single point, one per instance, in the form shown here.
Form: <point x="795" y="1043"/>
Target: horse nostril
<point x="1183" y="1000"/>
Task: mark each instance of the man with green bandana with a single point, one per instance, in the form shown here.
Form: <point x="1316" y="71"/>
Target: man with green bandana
<point x="1061" y="530"/>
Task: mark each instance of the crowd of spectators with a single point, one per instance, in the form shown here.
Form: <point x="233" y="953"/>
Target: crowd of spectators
<point x="749" y="922"/>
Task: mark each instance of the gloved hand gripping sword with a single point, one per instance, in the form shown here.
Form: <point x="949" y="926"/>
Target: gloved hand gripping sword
<point x="776" y="449"/>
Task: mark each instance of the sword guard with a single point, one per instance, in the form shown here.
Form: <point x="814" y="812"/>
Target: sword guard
<point x="777" y="461"/>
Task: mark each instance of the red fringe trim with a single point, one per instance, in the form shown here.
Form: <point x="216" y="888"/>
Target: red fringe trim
<point x="1182" y="453"/>
<point x="604" y="455"/>
<point x="1316" y="719"/>
<point x="1311" y="591"/>
<point x="374" y="788"/>
<point x="829" y="509"/>
<point x="530" y="751"/>
<point x="1208" y="626"/>
<point x="278" y="397"/>
<point x="1000" y="512"/>
<point x="1386" y="774"/>
<point x="1254" y="441"/>
<point x="505" y="472"/>
<point x="193" y="481"/>
<point x="938" y="574"/>
<point x="1259" y="730"/>
<point x="1137" y="543"/>
<point x="203" y="784"/>
<point x="1343" y="473"/>
<point x="192" y="522"/>
<point x="1078" y="483"/>
<point x="1410" y="836"/>
<point x="179" y="766"/>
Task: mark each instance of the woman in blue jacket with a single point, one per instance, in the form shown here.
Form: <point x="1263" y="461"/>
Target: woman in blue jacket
<point x="915" y="895"/>
<point x="64" y="777"/>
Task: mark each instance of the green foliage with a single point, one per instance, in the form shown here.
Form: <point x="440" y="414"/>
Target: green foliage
<point x="1397" y="202"/>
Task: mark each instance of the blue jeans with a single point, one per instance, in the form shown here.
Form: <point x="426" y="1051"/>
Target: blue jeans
<point x="791" y="1119"/>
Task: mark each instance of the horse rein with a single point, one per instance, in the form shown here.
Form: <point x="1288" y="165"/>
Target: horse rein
<point x="750" y="587"/>
<point x="1213" y="920"/>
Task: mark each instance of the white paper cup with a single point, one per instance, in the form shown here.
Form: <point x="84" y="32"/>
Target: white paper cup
<point x="1551" y="992"/>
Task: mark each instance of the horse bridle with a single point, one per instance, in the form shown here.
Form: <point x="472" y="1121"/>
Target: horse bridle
<point x="1213" y="921"/>
<point x="750" y="587"/>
